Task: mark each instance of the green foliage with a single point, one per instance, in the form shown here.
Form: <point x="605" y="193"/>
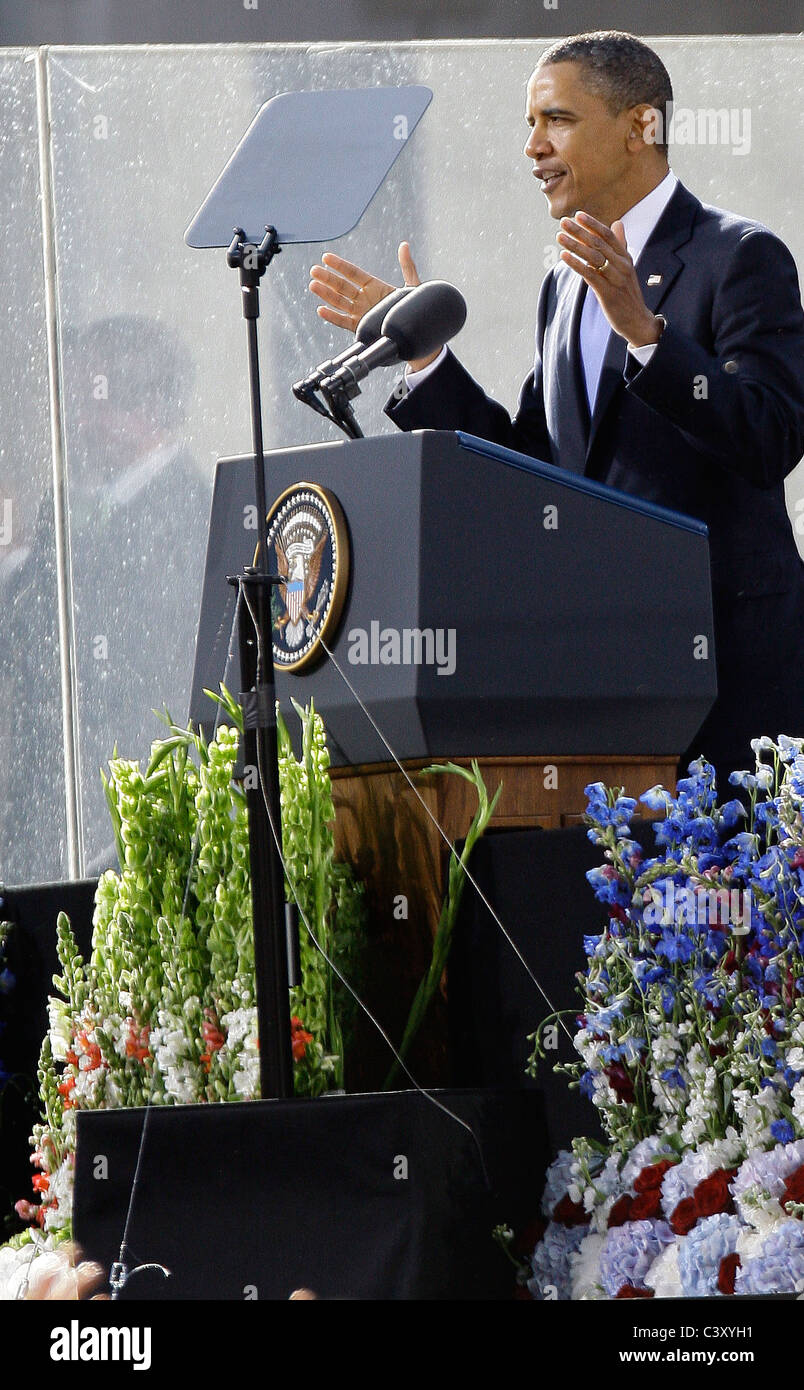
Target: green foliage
<point x="327" y="894"/>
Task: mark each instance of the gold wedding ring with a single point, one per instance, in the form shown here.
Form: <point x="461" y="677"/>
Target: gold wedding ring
<point x="602" y="267"/>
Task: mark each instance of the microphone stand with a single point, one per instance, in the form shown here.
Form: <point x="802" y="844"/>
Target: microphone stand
<point x="258" y="701"/>
<point x="341" y="412"/>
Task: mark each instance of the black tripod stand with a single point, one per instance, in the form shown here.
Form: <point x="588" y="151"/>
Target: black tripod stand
<point x="258" y="701"/>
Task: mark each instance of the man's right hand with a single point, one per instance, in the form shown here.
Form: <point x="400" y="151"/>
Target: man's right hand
<point x="349" y="292"/>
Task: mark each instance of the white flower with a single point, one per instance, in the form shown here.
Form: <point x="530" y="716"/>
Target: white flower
<point x="760" y="1183"/>
<point x="763" y="744"/>
<point x="61" y="1187"/>
<point x="663" y="1276"/>
<point x="798" y="1102"/>
<point x="113" y="1096"/>
<point x="246" y="1080"/>
<point x="60" y="1028"/>
<point x="239" y="1024"/>
<point x="585" y="1268"/>
<point x="16" y="1266"/>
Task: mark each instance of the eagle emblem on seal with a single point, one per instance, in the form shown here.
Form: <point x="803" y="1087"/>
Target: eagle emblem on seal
<point x="299" y="567"/>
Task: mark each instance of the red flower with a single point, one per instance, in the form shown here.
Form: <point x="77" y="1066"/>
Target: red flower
<point x="621" y="1211"/>
<point x="652" y="1176"/>
<point x="26" y="1210"/>
<point x="728" y="1273"/>
<point x="683" y="1217"/>
<point x="40" y="1182"/>
<point x="299" y="1038"/>
<point x="570" y="1213"/>
<point x="137" y="1042"/>
<point x="793" y="1187"/>
<point x="64" y="1087"/>
<point x="646" y="1206"/>
<point x="712" y="1194"/>
<point x="620" y="1083"/>
<point x="633" y="1291"/>
<point x="214" y="1039"/>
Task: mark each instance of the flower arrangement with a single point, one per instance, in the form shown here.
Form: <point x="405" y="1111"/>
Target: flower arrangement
<point x="164" y="1011"/>
<point x="691" y="1039"/>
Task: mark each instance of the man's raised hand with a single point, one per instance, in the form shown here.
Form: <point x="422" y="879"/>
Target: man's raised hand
<point x="349" y="292"/>
<point x="600" y="256"/>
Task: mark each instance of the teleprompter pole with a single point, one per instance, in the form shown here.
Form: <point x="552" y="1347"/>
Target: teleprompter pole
<point x="258" y="700"/>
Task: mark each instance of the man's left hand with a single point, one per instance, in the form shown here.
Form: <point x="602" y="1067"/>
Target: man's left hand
<point x="599" y="255"/>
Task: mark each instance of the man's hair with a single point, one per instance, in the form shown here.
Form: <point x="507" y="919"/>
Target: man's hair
<point x="620" y="69"/>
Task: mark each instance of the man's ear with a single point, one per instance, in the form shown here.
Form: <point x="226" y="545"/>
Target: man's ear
<point x="646" y="127"/>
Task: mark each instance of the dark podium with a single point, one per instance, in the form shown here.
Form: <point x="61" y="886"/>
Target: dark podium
<point x="555" y="589"/>
<point x="568" y="629"/>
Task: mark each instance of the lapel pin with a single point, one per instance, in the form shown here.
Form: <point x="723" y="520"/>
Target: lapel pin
<point x="654" y="279"/>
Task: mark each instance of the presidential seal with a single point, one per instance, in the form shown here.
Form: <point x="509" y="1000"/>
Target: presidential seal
<point x="308" y="537"/>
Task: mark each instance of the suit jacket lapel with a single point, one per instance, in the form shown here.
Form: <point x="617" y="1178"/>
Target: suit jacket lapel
<point x="657" y="268"/>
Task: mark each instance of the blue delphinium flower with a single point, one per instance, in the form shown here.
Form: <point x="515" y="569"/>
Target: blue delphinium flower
<point x="608" y="886"/>
<point x="674" y="946"/>
<point x="587" y="1085"/>
<point x="657" y="798"/>
<point x="783" y="1131"/>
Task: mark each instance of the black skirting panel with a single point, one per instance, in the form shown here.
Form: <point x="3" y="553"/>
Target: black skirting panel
<point x="535" y="880"/>
<point x="356" y="1197"/>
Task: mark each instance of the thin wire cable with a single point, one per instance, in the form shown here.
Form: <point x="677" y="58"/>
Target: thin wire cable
<point x="470" y="877"/>
<point x="119" y="1274"/>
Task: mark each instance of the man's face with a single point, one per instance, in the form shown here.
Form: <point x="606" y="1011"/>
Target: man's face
<point x="578" y="148"/>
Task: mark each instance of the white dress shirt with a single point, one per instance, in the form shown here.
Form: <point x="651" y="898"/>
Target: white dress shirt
<point x="638" y="224"/>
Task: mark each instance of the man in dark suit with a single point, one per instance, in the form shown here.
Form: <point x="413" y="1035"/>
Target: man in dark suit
<point x="669" y="363"/>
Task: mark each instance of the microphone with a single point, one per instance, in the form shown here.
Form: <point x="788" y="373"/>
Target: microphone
<point x="367" y="332"/>
<point x="424" y="320"/>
